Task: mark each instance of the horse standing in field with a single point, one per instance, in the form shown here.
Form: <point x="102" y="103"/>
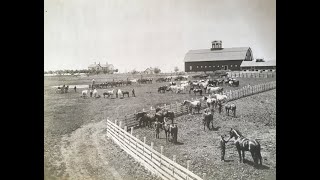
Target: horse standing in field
<point x="108" y="93"/>
<point x="125" y="92"/>
<point x="231" y="107"/>
<point x="214" y="90"/>
<point x="118" y="93"/>
<point x="162" y="89"/>
<point x="84" y="93"/>
<point x="192" y="105"/>
<point x="221" y="98"/>
<point x="195" y="91"/>
<point x="211" y="102"/>
<point x="245" y="144"/>
<point x="95" y="92"/>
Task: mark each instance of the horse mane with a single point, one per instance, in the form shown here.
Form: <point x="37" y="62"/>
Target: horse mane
<point x="238" y="132"/>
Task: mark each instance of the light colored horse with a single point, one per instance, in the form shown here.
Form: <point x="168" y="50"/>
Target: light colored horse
<point x="214" y="90"/>
<point x="134" y="80"/>
<point x="84" y="93"/>
<point x="210" y="101"/>
<point x="110" y="92"/>
<point x="95" y="92"/>
<point x="119" y="93"/>
<point x="221" y="98"/>
<point x="193" y="105"/>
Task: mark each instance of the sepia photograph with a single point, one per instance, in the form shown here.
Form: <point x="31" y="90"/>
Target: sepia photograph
<point x="159" y="89"/>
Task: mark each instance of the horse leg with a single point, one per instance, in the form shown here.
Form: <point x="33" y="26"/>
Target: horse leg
<point x="239" y="152"/>
<point x="234" y="113"/>
<point x="243" y="156"/>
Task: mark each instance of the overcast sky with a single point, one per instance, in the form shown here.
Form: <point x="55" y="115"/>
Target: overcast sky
<point x="136" y="34"/>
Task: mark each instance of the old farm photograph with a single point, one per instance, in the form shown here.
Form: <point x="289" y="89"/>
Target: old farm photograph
<point x="150" y="89"/>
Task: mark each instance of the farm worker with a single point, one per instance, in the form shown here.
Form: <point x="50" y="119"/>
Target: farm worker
<point x="134" y="95"/>
<point x="220" y="106"/>
<point x="75" y="88"/>
<point x="90" y="93"/>
<point x="223" y="147"/>
<point x="93" y="83"/>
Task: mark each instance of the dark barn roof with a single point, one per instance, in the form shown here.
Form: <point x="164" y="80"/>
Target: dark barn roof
<point x="236" y="53"/>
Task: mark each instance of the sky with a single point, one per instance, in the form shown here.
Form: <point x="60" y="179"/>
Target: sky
<point x="137" y="34"/>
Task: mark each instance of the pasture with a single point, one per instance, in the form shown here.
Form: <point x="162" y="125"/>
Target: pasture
<point x="74" y="130"/>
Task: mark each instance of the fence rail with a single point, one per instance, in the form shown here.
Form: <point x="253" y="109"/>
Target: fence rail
<point x="252" y="74"/>
<point x="152" y="160"/>
<point x="179" y="109"/>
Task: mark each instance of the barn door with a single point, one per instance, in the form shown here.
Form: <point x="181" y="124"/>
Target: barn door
<point x="225" y="67"/>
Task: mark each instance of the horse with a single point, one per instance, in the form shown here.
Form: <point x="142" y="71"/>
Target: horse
<point x="207" y="118"/>
<point x="125" y="92"/>
<point x="166" y="128"/>
<point x="144" y="118"/>
<point x="220" y="82"/>
<point x="108" y="93"/>
<point x="84" y="93"/>
<point x="214" y="90"/>
<point x="66" y="89"/>
<point x="195" y="91"/>
<point x="95" y="92"/>
<point x="192" y="105"/>
<point x="118" y="94"/>
<point x="169" y="114"/>
<point x="211" y="102"/>
<point x="245" y="144"/>
<point x="231" y="107"/>
<point x="162" y="89"/>
<point x="221" y="98"/>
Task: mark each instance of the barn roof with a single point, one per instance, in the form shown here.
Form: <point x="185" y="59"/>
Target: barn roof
<point x="235" y="53"/>
<point x="257" y="64"/>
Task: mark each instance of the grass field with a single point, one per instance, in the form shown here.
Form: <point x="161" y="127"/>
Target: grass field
<point x="76" y="147"/>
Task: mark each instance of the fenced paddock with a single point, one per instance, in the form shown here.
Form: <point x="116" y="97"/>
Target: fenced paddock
<point x="152" y="160"/>
<point x="179" y="109"/>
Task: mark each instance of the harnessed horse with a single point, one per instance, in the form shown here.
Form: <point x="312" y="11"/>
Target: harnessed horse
<point x="245" y="144"/>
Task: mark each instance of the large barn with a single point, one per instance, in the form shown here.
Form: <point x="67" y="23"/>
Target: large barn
<point x="216" y="58"/>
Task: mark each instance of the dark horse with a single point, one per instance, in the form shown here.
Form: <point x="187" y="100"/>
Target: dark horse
<point x="125" y="92"/>
<point x="162" y="89"/>
<point x="145" y="119"/>
<point x="231" y="107"/>
<point x="244" y="144"/>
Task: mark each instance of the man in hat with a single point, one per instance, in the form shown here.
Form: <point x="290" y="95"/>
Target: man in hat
<point x="75" y="88"/>
<point x="222" y="147"/>
<point x="134" y="95"/>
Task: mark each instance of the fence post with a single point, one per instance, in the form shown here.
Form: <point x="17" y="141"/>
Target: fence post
<point x="115" y="122"/>
<point x="131" y="130"/>
<point x="126" y="128"/>
<point x="137" y="136"/>
<point x="161" y="152"/>
<point x="144" y="142"/>
<point x="120" y="124"/>
<point x="188" y="167"/>
<point x="174" y="158"/>
<point x="151" y="151"/>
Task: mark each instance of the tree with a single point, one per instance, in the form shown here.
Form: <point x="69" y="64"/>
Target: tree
<point x="176" y="69"/>
<point x="156" y="70"/>
<point x="134" y="71"/>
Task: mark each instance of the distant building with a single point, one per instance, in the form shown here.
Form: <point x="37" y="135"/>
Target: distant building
<point x="101" y="67"/>
<point x="258" y="65"/>
<point x="149" y="71"/>
<point x="216" y="58"/>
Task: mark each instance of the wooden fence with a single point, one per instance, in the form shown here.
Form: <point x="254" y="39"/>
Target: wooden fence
<point x="252" y="74"/>
<point x="179" y="109"/>
<point x="152" y="160"/>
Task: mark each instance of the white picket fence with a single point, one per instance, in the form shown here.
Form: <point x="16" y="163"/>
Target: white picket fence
<point x="252" y="74"/>
<point x="152" y="160"/>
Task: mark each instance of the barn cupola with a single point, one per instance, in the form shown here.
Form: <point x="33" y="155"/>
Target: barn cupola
<point x="216" y="45"/>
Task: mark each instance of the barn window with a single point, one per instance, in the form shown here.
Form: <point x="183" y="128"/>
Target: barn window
<point x="209" y="66"/>
<point x="201" y="66"/>
<point x="217" y="66"/>
<point x="230" y="65"/>
<point x="236" y="65"/>
<point x="214" y="66"/>
<point x="205" y="66"/>
<point x="190" y="68"/>
<point x="197" y="66"/>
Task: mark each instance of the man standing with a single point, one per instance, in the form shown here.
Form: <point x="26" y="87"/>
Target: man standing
<point x="93" y="81"/>
<point x="75" y="88"/>
<point x="223" y="147"/>
<point x="134" y="95"/>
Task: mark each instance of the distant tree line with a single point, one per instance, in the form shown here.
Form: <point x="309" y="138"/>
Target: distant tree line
<point x="86" y="71"/>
